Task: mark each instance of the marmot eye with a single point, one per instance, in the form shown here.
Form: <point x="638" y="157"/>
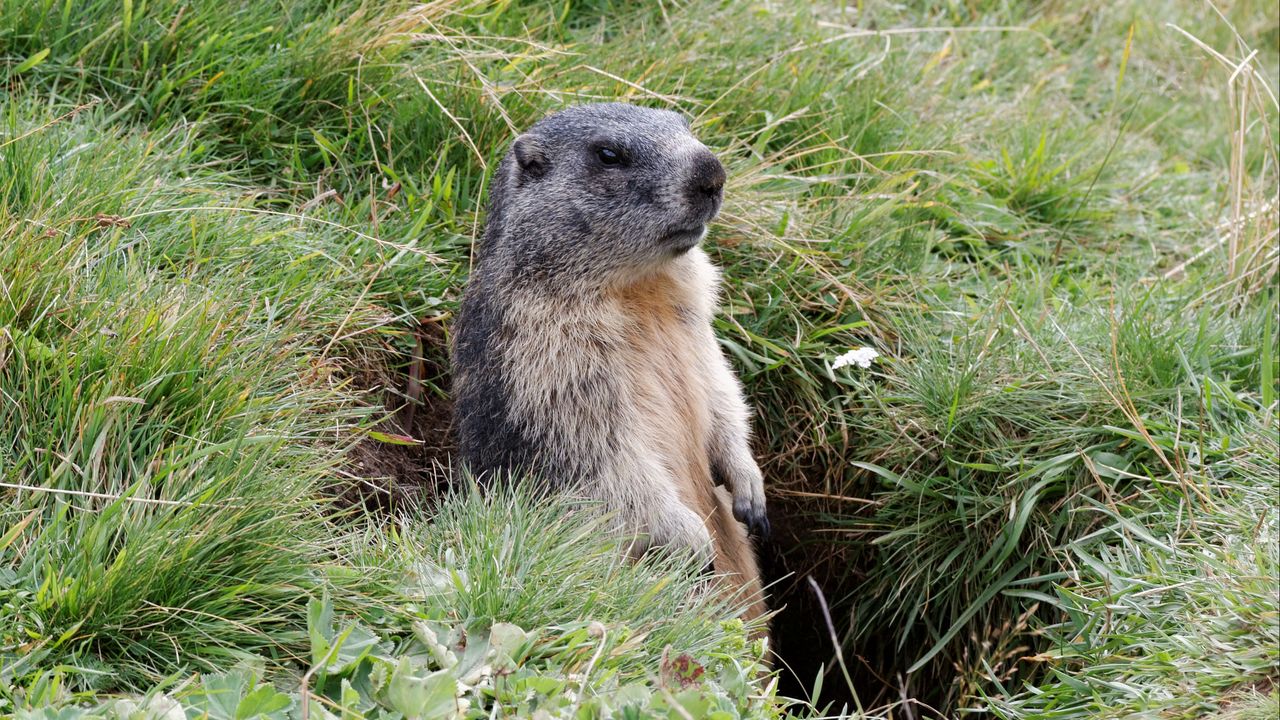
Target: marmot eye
<point x="609" y="156"/>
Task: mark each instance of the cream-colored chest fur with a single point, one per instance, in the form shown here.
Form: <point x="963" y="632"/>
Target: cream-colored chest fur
<point x="617" y="386"/>
<point x="665" y="329"/>
<point x="627" y="392"/>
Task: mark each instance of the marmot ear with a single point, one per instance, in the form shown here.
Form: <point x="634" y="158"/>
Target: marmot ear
<point x="530" y="155"/>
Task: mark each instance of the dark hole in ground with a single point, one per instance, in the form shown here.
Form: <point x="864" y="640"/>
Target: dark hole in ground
<point x="792" y="564"/>
<point x="800" y="564"/>
<point x="406" y="464"/>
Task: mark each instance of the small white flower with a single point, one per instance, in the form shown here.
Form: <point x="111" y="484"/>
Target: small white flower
<point x="861" y="357"/>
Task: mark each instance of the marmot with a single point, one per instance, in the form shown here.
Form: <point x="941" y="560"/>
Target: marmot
<point x="583" y="351"/>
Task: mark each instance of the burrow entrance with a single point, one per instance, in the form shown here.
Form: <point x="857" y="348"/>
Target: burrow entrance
<point x="809" y="591"/>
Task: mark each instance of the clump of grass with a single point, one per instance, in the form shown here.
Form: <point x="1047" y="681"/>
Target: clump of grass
<point x="160" y="431"/>
<point x="285" y="90"/>
<point x="1250" y="229"/>
<point x="1177" y="618"/>
<point x="502" y="603"/>
<point x="1033" y="399"/>
<point x="506" y="557"/>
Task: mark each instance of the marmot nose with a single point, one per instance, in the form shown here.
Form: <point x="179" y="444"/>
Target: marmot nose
<point x="707" y="177"/>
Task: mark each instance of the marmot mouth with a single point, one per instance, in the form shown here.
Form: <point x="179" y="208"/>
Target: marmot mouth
<point x="685" y="238"/>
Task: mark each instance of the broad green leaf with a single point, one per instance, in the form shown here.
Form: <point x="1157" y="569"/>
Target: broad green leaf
<point x="263" y="702"/>
<point x="426" y="697"/>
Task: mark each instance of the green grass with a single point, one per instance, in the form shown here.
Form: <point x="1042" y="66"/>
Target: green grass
<point x="1168" y="622"/>
<point x="223" y="226"/>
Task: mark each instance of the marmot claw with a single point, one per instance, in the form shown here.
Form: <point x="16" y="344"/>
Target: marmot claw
<point x="754" y="517"/>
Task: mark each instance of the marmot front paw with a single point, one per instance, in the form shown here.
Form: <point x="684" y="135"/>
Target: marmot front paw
<point x="751" y="512"/>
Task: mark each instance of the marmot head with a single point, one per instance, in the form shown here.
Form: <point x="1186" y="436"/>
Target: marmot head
<point x="602" y="192"/>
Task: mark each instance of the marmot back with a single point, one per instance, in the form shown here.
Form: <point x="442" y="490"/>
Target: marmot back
<point x="584" y="356"/>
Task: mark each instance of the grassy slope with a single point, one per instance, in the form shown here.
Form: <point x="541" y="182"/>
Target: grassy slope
<point x="1071" y="466"/>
